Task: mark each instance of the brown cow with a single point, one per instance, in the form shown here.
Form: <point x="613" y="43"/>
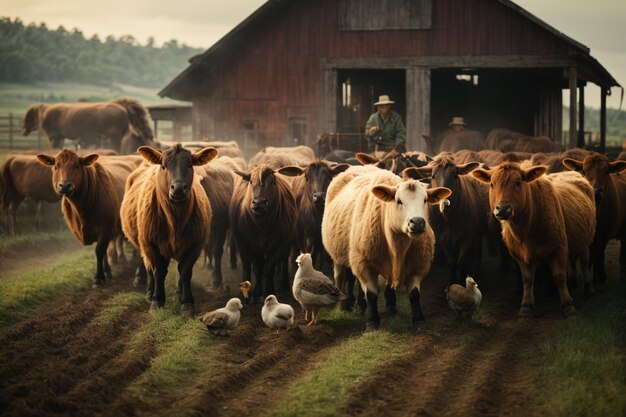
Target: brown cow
<point x="608" y="180"/>
<point x="460" y="226"/>
<point x="91" y="193"/>
<point x="88" y="122"/>
<point x="545" y="219"/>
<point x="166" y="214"/>
<point x="453" y="141"/>
<point x="310" y="191"/>
<point x="263" y="218"/>
<point x="377" y="224"/>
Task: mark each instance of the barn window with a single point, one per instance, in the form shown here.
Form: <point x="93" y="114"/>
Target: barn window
<point x="250" y="133"/>
<point x="297" y="131"/>
<point x="388" y="14"/>
<point x="346" y="90"/>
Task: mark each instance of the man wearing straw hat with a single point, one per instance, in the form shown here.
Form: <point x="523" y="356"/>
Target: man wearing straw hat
<point x="457" y="124"/>
<point x="384" y="129"/>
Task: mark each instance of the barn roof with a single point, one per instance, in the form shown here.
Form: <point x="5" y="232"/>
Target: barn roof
<point x="184" y="86"/>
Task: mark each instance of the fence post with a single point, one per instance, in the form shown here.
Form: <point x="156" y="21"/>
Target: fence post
<point x="10" y="130"/>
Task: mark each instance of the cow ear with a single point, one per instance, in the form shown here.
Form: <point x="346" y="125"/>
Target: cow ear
<point x="385" y="193"/>
<point x="366" y="159"/>
<point x="291" y="171"/>
<point x="338" y="169"/>
<point x="89" y="159"/>
<point x="203" y="156"/>
<point x="245" y="175"/>
<point x="438" y="193"/>
<point x="616" y="167"/>
<point x="412" y="173"/>
<point x="533" y="173"/>
<point x="467" y="168"/>
<point x="46" y="160"/>
<point x="151" y="155"/>
<point x="426" y="171"/>
<point x="482" y="175"/>
<point x="573" y="164"/>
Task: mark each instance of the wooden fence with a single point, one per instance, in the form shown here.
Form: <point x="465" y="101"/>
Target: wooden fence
<point x="11" y="135"/>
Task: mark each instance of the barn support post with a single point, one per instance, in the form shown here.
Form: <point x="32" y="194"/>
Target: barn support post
<point x="417" y="107"/>
<point x="581" y="117"/>
<point x="603" y="93"/>
<point x="329" y="112"/>
<point x="573" y="86"/>
<point x="10" y="130"/>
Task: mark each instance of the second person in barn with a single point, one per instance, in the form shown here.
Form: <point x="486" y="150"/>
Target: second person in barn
<point x="384" y="129"/>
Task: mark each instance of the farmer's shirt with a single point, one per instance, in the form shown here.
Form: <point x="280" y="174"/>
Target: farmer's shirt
<point x="392" y="130"/>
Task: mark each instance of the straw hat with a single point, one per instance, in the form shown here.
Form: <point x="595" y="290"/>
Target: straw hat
<point x="383" y="100"/>
<point x="457" y="121"/>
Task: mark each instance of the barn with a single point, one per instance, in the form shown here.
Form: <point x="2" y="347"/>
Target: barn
<point x="297" y="68"/>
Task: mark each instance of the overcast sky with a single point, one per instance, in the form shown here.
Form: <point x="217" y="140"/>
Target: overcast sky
<point x="598" y="24"/>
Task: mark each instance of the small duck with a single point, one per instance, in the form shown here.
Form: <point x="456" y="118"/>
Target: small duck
<point x="312" y="289"/>
<point x="245" y="288"/>
<point x="464" y="300"/>
<point x="220" y="321"/>
<point x="277" y="315"/>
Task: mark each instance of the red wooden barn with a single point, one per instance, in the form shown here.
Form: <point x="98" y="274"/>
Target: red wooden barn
<point x="296" y="68"/>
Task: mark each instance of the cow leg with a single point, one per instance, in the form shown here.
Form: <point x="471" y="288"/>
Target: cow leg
<point x="151" y="281"/>
<point x="12" y="214"/>
<point x="257" y="289"/>
<point x="185" y="269"/>
<point x="528" y="296"/>
<point x="585" y="271"/>
<point x="218" y="251"/>
<point x="559" y="274"/>
<point x="232" y="251"/>
<point x="269" y="271"/>
<point x="622" y="258"/>
<point x="160" y="272"/>
<point x="417" y="316"/>
<point x="140" y="275"/>
<point x="597" y="255"/>
<point x="369" y="279"/>
<point x="390" y="300"/>
<point x="101" y="253"/>
<point x="340" y="274"/>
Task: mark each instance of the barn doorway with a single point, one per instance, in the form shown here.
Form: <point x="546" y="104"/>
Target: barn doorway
<point x="358" y="89"/>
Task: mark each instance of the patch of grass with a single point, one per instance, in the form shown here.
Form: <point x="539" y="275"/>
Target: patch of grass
<point x="12" y="245"/>
<point x="32" y="288"/>
<point x="342" y="368"/>
<point x="584" y="367"/>
<point x="117" y="306"/>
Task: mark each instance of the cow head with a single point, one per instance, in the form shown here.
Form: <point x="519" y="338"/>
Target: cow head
<point x="509" y="190"/>
<point x="445" y="172"/>
<point x="31" y="119"/>
<point x="596" y="168"/>
<point x="318" y="176"/>
<point x="176" y="174"/>
<point x="67" y="170"/>
<point x="263" y="187"/>
<point x="407" y="205"/>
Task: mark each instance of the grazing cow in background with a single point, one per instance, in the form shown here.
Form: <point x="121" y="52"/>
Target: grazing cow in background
<point x="263" y="218"/>
<point x="310" y="191"/>
<point x="377" y="224"/>
<point x="545" y="219"/>
<point x="88" y="122"/>
<point x="302" y="152"/>
<point x="22" y="176"/>
<point x="394" y="161"/>
<point x="91" y="193"/>
<point x="461" y="225"/>
<point x="608" y="180"/>
<point x="453" y="141"/>
<point x="166" y="214"/>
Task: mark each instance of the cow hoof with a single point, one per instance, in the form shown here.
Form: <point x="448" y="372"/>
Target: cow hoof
<point x="187" y="309"/>
<point x="371" y="326"/>
<point x="392" y="310"/>
<point x="139" y="282"/>
<point x="97" y="283"/>
<point x="525" y="312"/>
<point x="569" y="311"/>
<point x="155" y="305"/>
<point x="419" y="326"/>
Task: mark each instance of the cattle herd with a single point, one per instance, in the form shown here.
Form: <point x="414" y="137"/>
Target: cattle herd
<point x="381" y="219"/>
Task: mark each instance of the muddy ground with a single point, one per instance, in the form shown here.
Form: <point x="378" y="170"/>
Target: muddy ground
<point x="59" y="361"/>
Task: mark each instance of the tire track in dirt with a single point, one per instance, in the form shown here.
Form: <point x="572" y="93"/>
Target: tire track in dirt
<point x="59" y="360"/>
<point x="487" y="376"/>
<point x="255" y="365"/>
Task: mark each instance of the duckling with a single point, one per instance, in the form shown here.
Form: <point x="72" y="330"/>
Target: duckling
<point x="464" y="300"/>
<point x="219" y="321"/>
<point x="277" y="315"/>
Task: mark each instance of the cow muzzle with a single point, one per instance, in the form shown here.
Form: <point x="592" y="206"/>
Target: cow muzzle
<point x="179" y="191"/>
<point x="503" y="211"/>
<point x="598" y="193"/>
<point x="260" y="205"/>
<point x="65" y="188"/>
<point x="417" y="226"/>
<point x="319" y="199"/>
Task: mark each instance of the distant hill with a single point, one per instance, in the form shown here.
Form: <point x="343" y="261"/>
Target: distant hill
<point x="615" y="124"/>
<point x="33" y="54"/>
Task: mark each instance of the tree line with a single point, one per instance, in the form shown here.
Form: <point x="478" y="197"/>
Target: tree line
<point x="34" y="53"/>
